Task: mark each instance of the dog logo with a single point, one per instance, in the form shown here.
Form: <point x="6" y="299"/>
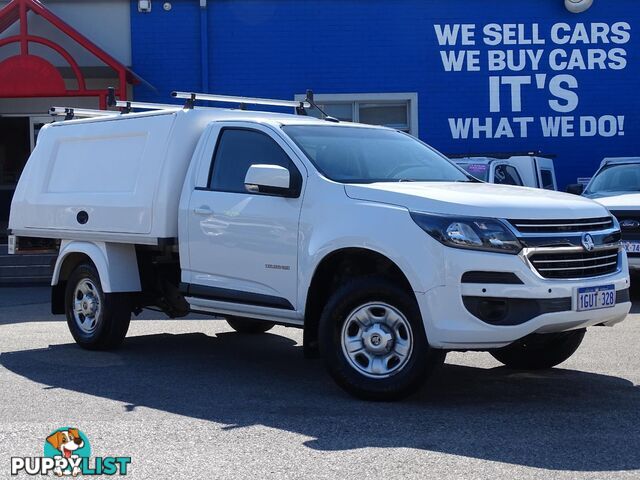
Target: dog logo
<point x="67" y="453"/>
<point x="587" y="242"/>
<point x="70" y="444"/>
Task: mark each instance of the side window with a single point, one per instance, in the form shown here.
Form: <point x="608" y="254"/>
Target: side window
<point x="237" y="150"/>
<point x="507" y="175"/>
<point x="547" y="179"/>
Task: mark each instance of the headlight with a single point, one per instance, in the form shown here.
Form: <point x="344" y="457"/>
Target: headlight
<point x="484" y="234"/>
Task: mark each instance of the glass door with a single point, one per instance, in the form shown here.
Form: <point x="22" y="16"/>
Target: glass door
<point x="14" y="151"/>
<point x="35" y="124"/>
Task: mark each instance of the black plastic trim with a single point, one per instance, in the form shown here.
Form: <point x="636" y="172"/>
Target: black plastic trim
<point x="623" y="296"/>
<point x="504" y="278"/>
<point x="520" y="310"/>
<point x="167" y="241"/>
<point x="515" y="311"/>
<point x="234" y="296"/>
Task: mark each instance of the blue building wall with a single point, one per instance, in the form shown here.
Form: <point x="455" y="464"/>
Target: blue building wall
<point x="277" y="48"/>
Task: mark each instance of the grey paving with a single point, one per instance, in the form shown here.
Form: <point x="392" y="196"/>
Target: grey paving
<point x="191" y="399"/>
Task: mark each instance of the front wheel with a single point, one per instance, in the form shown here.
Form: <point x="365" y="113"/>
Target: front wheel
<point x="540" y="351"/>
<point x="97" y="320"/>
<point x="373" y="341"/>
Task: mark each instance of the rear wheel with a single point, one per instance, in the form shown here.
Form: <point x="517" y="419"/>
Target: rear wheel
<point x="540" y="351"/>
<point x="248" y="325"/>
<point x="97" y="320"/>
<point x="373" y="340"/>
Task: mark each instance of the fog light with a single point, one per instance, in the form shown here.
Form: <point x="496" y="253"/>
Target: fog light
<point x="492" y="311"/>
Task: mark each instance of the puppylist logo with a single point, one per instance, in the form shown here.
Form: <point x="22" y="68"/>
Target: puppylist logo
<point x="67" y="452"/>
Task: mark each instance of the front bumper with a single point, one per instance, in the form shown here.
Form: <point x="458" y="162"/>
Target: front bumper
<point x="450" y="325"/>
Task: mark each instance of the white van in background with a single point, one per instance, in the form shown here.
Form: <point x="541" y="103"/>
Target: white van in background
<point x="526" y="170"/>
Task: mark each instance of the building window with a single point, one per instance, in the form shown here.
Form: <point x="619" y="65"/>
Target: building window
<point x="394" y="110"/>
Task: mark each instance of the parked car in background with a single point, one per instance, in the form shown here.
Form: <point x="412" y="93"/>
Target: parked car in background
<point x="527" y="170"/>
<point x="616" y="185"/>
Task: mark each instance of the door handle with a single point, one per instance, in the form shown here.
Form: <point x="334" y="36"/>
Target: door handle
<point x="204" y="210"/>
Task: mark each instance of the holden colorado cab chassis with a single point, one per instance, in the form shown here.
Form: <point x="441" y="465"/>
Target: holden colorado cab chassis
<point x="386" y="253"/>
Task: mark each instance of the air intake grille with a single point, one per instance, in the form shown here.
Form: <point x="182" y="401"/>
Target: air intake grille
<point x="562" y="226"/>
<point x="575" y="264"/>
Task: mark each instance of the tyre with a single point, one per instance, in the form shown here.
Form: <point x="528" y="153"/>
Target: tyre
<point x="97" y="320"/>
<point x="540" y="351"/>
<point x="373" y="342"/>
<point x="249" y="326"/>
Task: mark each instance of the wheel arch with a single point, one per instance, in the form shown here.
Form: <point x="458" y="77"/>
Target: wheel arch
<point x="116" y="264"/>
<point x="334" y="268"/>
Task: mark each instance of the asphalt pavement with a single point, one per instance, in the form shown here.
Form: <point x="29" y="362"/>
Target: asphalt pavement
<point x="191" y="399"/>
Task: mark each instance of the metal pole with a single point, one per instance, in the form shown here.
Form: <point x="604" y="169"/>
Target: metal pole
<point x="204" y="46"/>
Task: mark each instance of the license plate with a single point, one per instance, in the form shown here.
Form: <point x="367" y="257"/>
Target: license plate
<point x="631" y="247"/>
<point x="594" y="298"/>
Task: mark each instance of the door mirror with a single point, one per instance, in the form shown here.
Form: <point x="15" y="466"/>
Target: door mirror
<point x="575" y="188"/>
<point x="269" y="179"/>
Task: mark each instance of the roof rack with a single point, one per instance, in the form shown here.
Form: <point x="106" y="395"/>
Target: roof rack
<point x="70" y="113"/>
<point x="192" y="97"/>
<point x="125" y="106"/>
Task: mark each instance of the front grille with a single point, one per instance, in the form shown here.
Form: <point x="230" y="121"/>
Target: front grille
<point x="630" y="227"/>
<point x="623" y="215"/>
<point x="563" y="226"/>
<point x="575" y="264"/>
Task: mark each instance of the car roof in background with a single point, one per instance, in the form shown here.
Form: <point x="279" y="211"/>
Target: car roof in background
<point x="619" y="160"/>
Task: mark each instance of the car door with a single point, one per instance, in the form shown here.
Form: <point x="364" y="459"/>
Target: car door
<point x="243" y="245"/>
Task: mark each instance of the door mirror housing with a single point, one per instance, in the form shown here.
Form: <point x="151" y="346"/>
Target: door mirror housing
<point x="269" y="179"/>
<point x="575" y="188"/>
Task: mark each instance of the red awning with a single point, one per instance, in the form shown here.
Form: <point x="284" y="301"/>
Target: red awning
<point x="27" y="75"/>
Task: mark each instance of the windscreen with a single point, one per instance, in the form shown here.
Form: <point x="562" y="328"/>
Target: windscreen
<point x="616" y="178"/>
<point x="368" y="155"/>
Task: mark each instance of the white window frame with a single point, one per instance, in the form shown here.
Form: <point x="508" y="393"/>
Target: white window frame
<point x="411" y="98"/>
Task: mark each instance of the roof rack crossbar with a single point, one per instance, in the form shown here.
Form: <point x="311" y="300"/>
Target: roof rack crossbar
<point x="70" y="113"/>
<point x="191" y="97"/>
<point x="127" y="106"/>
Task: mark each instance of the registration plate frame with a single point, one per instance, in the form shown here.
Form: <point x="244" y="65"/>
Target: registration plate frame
<point x="595" y="298"/>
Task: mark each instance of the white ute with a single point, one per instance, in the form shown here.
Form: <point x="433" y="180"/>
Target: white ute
<point x="386" y="253"/>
